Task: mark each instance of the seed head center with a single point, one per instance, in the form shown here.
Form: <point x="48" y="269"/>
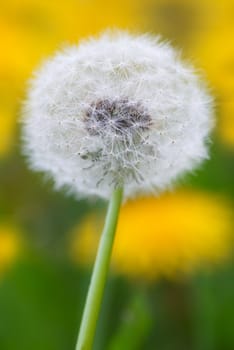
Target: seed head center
<point x="116" y="116"/>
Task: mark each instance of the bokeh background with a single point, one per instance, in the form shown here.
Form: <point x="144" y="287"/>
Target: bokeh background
<point x="171" y="285"/>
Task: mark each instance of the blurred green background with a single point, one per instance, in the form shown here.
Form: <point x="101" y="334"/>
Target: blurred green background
<point x="171" y="285"/>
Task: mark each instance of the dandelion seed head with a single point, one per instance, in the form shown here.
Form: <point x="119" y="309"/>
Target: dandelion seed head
<point x="117" y="110"/>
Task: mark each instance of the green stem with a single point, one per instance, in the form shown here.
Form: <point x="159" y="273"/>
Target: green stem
<point x="99" y="275"/>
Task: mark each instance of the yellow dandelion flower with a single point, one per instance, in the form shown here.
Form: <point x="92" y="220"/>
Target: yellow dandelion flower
<point x="32" y="29"/>
<point x="164" y="236"/>
<point x="10" y="246"/>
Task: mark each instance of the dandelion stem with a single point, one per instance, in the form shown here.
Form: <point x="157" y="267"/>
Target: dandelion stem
<point x="99" y="275"/>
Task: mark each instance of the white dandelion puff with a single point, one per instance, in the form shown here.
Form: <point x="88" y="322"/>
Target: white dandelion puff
<point x="119" y="110"/>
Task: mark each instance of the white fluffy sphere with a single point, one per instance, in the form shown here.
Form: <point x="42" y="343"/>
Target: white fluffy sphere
<point x="118" y="110"/>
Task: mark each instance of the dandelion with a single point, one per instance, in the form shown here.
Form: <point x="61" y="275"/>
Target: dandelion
<point x="116" y="111"/>
<point x="162" y="236"/>
<point x="113" y="117"/>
